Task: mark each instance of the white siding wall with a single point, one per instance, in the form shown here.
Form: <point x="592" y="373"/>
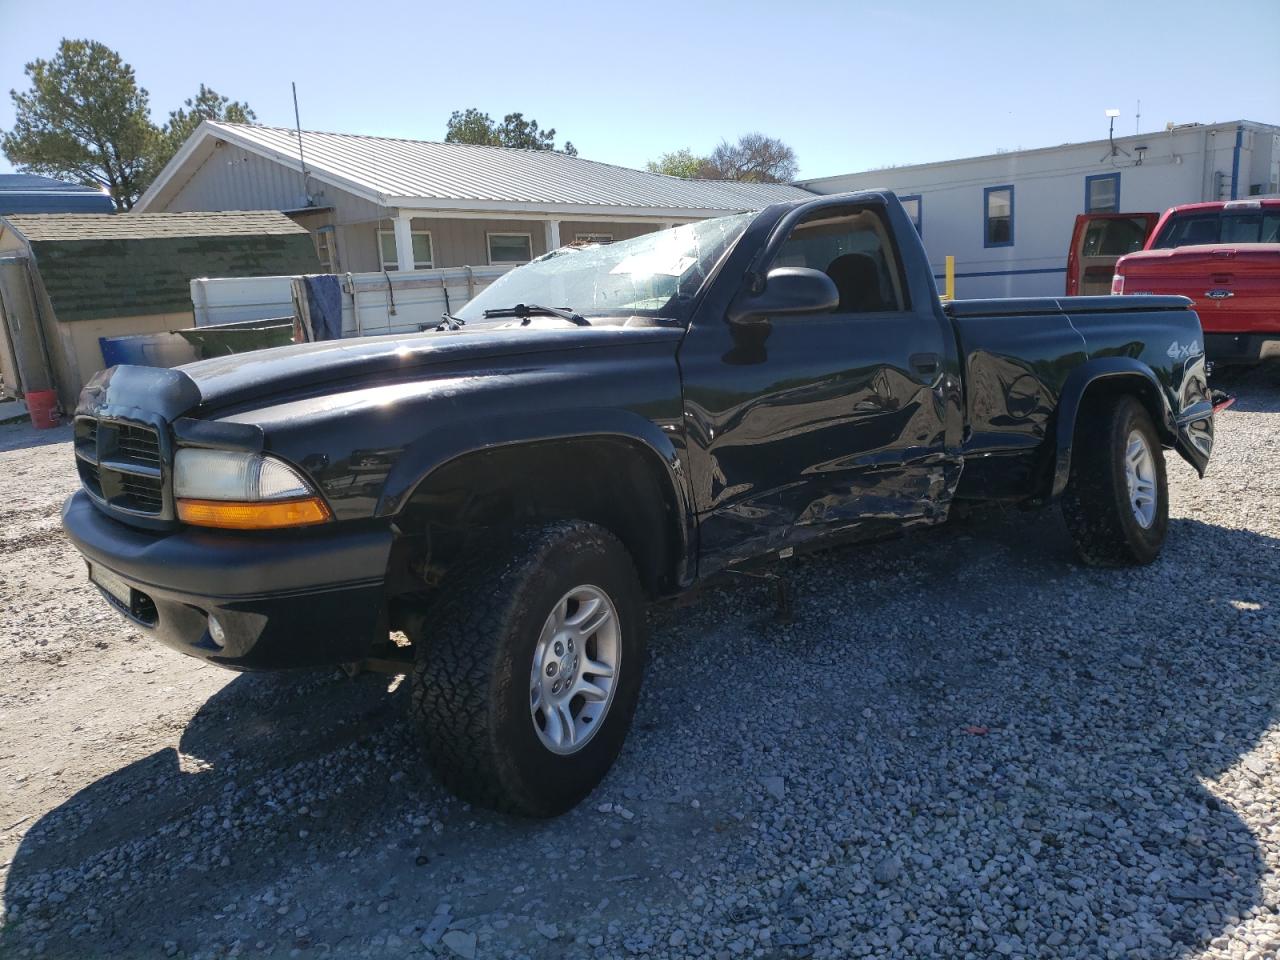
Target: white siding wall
<point x="1049" y="191"/>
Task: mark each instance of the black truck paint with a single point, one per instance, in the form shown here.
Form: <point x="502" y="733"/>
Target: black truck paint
<point x="709" y="441"/>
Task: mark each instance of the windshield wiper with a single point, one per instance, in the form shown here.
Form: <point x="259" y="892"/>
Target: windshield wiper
<point x="526" y="310"/>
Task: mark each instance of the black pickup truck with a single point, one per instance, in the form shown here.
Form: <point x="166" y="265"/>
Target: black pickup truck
<point x="602" y="428"/>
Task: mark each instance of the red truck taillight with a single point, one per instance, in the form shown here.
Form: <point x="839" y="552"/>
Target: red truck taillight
<point x="1117" y="284"/>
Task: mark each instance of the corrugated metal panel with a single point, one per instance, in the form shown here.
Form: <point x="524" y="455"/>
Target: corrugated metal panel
<point x="426" y="171"/>
<point x="28" y="193"/>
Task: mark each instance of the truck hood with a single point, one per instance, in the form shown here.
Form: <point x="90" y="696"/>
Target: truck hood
<point x="199" y="388"/>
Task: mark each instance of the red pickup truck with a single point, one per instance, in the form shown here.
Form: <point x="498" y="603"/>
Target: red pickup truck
<point x="1225" y="256"/>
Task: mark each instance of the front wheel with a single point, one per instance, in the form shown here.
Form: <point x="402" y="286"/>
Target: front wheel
<point x="528" y="669"/>
<point x="1116" y="504"/>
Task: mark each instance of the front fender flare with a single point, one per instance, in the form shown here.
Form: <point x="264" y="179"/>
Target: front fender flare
<point x="450" y="442"/>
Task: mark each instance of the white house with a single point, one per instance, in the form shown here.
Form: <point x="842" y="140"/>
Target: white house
<point x="376" y="203"/>
<point x="1007" y="218"/>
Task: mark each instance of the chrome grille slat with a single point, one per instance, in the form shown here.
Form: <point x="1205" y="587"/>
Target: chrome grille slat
<point x="121" y="464"/>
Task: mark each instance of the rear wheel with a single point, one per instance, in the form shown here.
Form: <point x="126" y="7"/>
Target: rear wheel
<point x="528" y="669"/>
<point x="1117" y="502"/>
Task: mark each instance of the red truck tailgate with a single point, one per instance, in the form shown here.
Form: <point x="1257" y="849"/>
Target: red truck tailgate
<point x="1236" y="289"/>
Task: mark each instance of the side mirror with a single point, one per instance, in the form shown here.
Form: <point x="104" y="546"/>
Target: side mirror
<point x="787" y="290"/>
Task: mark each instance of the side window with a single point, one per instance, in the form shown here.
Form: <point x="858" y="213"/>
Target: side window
<point x="856" y="252"/>
<point x="997" y="216"/>
<point x="507" y="248"/>
<point x="422" y="259"/>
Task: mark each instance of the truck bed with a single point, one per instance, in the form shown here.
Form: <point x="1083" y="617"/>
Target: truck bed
<point x="1018" y="353"/>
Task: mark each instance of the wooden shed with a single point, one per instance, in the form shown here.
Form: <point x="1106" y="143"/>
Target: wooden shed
<point x="68" y="279"/>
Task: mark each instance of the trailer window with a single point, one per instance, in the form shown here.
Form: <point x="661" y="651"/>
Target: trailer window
<point x="913" y="207"/>
<point x="997" y="212"/>
<point x="1102" y="193"/>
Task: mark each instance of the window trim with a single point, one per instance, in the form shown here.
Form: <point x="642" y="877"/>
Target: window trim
<point x="1088" y="185"/>
<point x="488" y="243"/>
<point x="417" y="264"/>
<point x="986" y="216"/>
<point x="918" y="223"/>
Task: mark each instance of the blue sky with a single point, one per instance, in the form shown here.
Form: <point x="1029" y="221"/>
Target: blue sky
<point x="849" y="86"/>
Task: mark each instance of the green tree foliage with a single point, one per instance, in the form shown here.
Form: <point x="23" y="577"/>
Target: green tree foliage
<point x="754" y="157"/>
<point x="474" y="126"/>
<point x="84" y="119"/>
<point x="208" y="104"/>
<point x="679" y="163"/>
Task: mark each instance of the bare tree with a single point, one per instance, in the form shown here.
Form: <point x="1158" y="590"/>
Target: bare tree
<point x="754" y="157"/>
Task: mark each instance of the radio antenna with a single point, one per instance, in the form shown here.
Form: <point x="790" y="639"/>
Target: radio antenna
<point x="302" y="160"/>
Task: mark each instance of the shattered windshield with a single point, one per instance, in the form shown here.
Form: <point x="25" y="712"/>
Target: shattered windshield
<point x="655" y="275"/>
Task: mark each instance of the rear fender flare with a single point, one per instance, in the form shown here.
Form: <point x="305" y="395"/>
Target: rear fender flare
<point x="1110" y="370"/>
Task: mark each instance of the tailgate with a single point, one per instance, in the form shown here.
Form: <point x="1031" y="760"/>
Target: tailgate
<point x="1235" y="289"/>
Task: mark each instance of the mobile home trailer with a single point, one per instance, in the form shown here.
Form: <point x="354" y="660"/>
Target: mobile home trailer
<point x="1007" y="217"/>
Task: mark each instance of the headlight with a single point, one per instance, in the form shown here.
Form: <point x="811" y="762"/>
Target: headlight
<point x="243" y="491"/>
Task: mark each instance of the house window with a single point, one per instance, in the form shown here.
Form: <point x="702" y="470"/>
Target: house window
<point x="915" y="210"/>
<point x="327" y="250"/>
<point x="507" y="248"/>
<point x="422" y="259"/>
<point x="1102" y="193"/>
<point x="997" y="215"/>
<point x="593" y="238"/>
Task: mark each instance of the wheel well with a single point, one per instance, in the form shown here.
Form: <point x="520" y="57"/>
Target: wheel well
<point x="1106" y="389"/>
<point x="613" y="481"/>
<point x="1056" y="463"/>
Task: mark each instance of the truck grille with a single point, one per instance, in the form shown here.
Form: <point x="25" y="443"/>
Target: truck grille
<point x="121" y="465"/>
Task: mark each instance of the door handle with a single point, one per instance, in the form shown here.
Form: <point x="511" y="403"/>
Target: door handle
<point x="925" y="362"/>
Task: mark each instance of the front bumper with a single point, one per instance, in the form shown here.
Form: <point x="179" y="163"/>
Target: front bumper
<point x="1239" y="348"/>
<point x="285" y="599"/>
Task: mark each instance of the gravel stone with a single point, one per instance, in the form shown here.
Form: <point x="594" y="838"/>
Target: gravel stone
<point x="462" y="944"/>
<point x="776" y="787"/>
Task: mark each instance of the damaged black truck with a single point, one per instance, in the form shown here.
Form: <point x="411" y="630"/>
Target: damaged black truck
<point x="599" y="429"/>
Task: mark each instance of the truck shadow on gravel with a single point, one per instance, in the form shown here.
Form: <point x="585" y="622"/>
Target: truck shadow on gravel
<point x="961" y="741"/>
<point x="1257" y="389"/>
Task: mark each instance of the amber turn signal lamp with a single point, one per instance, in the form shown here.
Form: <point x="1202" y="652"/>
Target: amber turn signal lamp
<point x="264" y="515"/>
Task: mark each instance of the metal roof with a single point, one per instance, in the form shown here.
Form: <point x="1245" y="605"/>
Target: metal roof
<point x="47" y="227"/>
<point x="28" y="193"/>
<point x="409" y="173"/>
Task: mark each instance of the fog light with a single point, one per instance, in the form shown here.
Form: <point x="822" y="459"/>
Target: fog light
<point x="216" y="632"/>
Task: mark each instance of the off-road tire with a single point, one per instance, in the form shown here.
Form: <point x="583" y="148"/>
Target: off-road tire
<point x="474" y="652"/>
<point x="1096" y="503"/>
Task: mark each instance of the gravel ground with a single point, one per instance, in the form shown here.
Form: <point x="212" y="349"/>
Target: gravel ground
<point x="963" y="744"/>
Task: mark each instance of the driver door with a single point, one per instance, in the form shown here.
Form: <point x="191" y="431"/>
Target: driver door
<point x="803" y="426"/>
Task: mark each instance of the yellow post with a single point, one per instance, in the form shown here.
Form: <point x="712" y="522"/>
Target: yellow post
<point x="950" y="287"/>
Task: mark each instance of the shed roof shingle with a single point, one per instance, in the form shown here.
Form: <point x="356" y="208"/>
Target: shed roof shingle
<point x="422" y="171"/>
<point x="151" y="226"/>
